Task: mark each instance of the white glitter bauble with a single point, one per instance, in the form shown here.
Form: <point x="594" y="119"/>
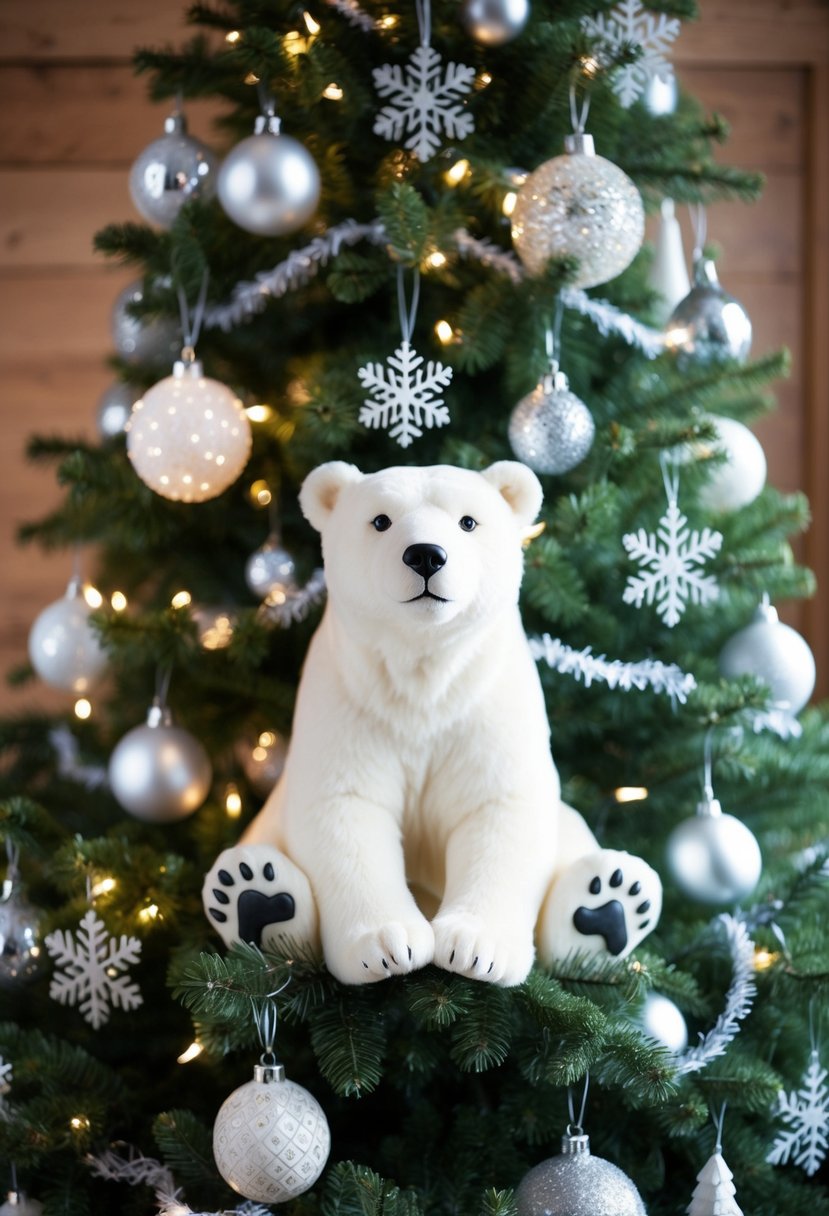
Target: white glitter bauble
<point x="582" y="206"/>
<point x="188" y="437"/>
<point x="709" y="325"/>
<point x="141" y="339"/>
<point x="551" y="429"/>
<point x="270" y="569"/>
<point x="63" y="647"/>
<point x="776" y="654"/>
<point x="269" y="184"/>
<point x="158" y="771"/>
<point x="171" y="171"/>
<point x="21" y="952"/>
<point x="18" y="1204"/>
<point x="270" y="1139"/>
<point x="663" y="1021"/>
<point x="714" y="858"/>
<point x="263" y="759"/>
<point x="577" y="1184"/>
<point x="738" y="481"/>
<point x="114" y="409"/>
<point x="494" y="22"/>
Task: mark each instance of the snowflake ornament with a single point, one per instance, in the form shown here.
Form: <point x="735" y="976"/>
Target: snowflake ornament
<point x="806" y="1112"/>
<point x="630" y="22"/>
<point x="425" y="101"/>
<point x="404" y="398"/>
<point x="92" y="962"/>
<point x="668" y="559"/>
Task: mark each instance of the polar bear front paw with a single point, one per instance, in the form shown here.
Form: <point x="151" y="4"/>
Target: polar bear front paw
<point x="396" y="948"/>
<point x="253" y="893"/>
<point x="465" y="944"/>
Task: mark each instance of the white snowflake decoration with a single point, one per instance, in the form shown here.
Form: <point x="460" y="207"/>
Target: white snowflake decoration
<point x="425" y="101"/>
<point x="668" y="558"/>
<point x="92" y="962"/>
<point x="404" y="397"/>
<point x="627" y="22"/>
<point x="806" y="1111"/>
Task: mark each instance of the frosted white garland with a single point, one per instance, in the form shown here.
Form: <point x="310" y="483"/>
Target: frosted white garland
<point x="137" y="1170"/>
<point x="297" y="606"/>
<point x="65" y="746"/>
<point x="584" y="665"/>
<point x="353" y="14"/>
<point x="738" y="1001"/>
<point x="488" y="254"/>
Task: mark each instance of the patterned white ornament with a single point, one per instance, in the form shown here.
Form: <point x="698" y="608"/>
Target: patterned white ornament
<point x="629" y="22"/>
<point x="425" y="101"/>
<point x="92" y="963"/>
<point x="404" y="398"/>
<point x="714" y="1194"/>
<point x="806" y="1112"/>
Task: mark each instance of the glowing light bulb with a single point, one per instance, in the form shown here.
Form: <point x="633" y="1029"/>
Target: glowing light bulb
<point x="233" y="36"/>
<point x="79" y="1123"/>
<point x="181" y="599"/>
<point x="260" y="493"/>
<point x="118" y="601"/>
<point x="312" y="26"/>
<point x="763" y="958"/>
<point x="508" y="205"/>
<point x="630" y="793"/>
<point x="267" y="738"/>
<point x="458" y="171"/>
<point x="103" y="886"/>
<point x="294" y="43"/>
<point x="233" y="801"/>
<point x="444" y="332"/>
<point x="190" y="1053"/>
<point x="388" y="22"/>
<point x="333" y="91"/>
<point x="259" y="412"/>
<point x="436" y="259"/>
<point x="92" y="596"/>
<point x="149" y="913"/>
<point x="251" y="78"/>
<point x="83" y="708"/>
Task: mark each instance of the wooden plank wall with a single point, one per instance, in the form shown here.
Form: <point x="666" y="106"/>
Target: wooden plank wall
<point x="75" y="117"/>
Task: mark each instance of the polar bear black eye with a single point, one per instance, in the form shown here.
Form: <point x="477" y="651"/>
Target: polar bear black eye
<point x="468" y="523"/>
<point x="381" y="522"/>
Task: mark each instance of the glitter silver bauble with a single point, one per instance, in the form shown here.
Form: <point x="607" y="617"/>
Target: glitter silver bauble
<point x="739" y="479"/>
<point x="663" y="1021"/>
<point x="263" y="759"/>
<point x="171" y="171"/>
<point x="142" y="339"/>
<point x="271" y="1139"/>
<point x="158" y="771"/>
<point x="189" y="436"/>
<point x="270" y="569"/>
<point x="577" y="1184"/>
<point x="494" y="22"/>
<point x="64" y="649"/>
<point x="269" y="184"/>
<point x="114" y="409"/>
<point x="551" y="429"/>
<point x="582" y="206"/>
<point x="776" y="654"/>
<point x="18" y="1204"/>
<point x="714" y="857"/>
<point x="709" y="325"/>
<point x="20" y="936"/>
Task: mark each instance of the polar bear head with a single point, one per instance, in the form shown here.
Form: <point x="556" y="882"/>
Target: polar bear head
<point x="415" y="548"/>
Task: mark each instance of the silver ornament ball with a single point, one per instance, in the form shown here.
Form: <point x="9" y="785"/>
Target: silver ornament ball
<point x="171" y="171"/>
<point x="142" y="339"/>
<point x="271" y="1138"/>
<point x="19" y="1204"/>
<point x="63" y="647"/>
<point x="494" y="22"/>
<point x="21" y="953"/>
<point x="776" y="654"/>
<point x="158" y="771"/>
<point x="270" y="569"/>
<point x="114" y="409"/>
<point x="577" y="1184"/>
<point x="269" y="184"/>
<point x="551" y="429"/>
<point x="713" y="857"/>
<point x="709" y="325"/>
<point x="663" y="1021"/>
<point x="579" y="205"/>
<point x="263" y="759"/>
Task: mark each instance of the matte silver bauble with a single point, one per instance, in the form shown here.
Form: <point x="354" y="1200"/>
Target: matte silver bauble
<point x="582" y="206"/>
<point x="63" y="647"/>
<point x="709" y="325"/>
<point x="271" y="1138"/>
<point x="663" y="1021"/>
<point x="159" y="772"/>
<point x="114" y="409"/>
<point x="551" y="429"/>
<point x="494" y="22"/>
<point x="143" y="339"/>
<point x="714" y="857"/>
<point x="18" y="1204"/>
<point x="263" y="759"/>
<point x="577" y="1184"/>
<point x="270" y="570"/>
<point x="20" y="937"/>
<point x="776" y="654"/>
<point x="171" y="171"/>
<point x="269" y="184"/>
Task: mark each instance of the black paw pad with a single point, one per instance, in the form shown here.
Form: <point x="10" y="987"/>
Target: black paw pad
<point x="255" y="909"/>
<point x="609" y="920"/>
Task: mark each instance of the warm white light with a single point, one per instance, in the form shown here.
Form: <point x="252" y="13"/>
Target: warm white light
<point x="457" y="173"/>
<point x="233" y="36"/>
<point x="312" y="26"/>
<point x="436" y="259"/>
<point x="251" y="78"/>
<point x="181" y="599"/>
<point x="103" y="887"/>
<point x="92" y="596"/>
<point x="83" y="708"/>
<point x="763" y="958"/>
<point x="259" y="412"/>
<point x="191" y="1053"/>
<point x="79" y="1123"/>
<point x="508" y="205"/>
<point x="388" y="22"/>
<point x="482" y="80"/>
<point x="118" y="601"/>
<point x="149" y="913"/>
<point x="444" y="332"/>
<point x="267" y="738"/>
<point x="630" y="793"/>
<point x="333" y="91"/>
<point x="294" y="43"/>
<point x="589" y="66"/>
<point x="233" y="801"/>
<point x="218" y="634"/>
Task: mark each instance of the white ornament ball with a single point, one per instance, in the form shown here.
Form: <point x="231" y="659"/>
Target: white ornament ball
<point x="577" y="1184"/>
<point x="158" y="771"/>
<point x="583" y="206"/>
<point x="18" y="1204"/>
<point x="776" y="654"/>
<point x="270" y="570"/>
<point x="63" y="647"/>
<point x="551" y="429"/>
<point x="141" y="339"/>
<point x="114" y="409"/>
<point x="738" y="481"/>
<point x="269" y="184"/>
<point x="663" y="1021"/>
<point x="494" y="22"/>
<point x="271" y="1138"/>
<point x="171" y="171"/>
<point x="188" y="437"/>
<point x="714" y="857"/>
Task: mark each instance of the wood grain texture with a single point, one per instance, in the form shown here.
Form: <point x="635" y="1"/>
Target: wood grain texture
<point x="47" y="30"/>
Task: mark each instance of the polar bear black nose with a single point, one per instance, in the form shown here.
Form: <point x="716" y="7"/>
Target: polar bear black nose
<point x="425" y="559"/>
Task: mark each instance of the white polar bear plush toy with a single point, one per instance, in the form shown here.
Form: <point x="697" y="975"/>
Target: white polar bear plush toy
<point x="419" y="798"/>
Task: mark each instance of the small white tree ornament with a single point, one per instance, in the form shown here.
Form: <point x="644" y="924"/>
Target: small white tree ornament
<point x="92" y="965"/>
<point x="715" y="1193"/>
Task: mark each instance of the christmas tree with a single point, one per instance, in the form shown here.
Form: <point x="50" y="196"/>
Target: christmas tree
<point x="409" y="242"/>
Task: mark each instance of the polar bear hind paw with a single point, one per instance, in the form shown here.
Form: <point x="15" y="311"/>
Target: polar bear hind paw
<point x="397" y="948"/>
<point x="466" y="945"/>
<point x="255" y="894"/>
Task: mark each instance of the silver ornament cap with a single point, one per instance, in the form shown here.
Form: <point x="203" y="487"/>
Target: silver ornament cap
<point x="714" y="857"/>
<point x="159" y="772"/>
<point x="709" y="325"/>
<point x="269" y="184"/>
<point x="776" y="654"/>
<point x="494" y="22"/>
<point x="577" y="1184"/>
<point x="551" y="430"/>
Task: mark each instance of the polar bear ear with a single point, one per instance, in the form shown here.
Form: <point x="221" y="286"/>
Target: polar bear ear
<point x="518" y="485"/>
<point x="321" y="489"/>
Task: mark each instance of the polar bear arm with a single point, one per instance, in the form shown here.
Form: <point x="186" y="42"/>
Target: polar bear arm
<point x="518" y="485"/>
<point x="321" y="489"/>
